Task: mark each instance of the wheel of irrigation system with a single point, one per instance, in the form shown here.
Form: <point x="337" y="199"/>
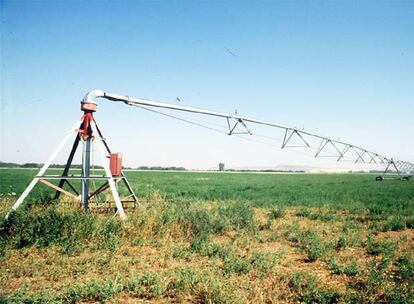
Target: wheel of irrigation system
<point x="379" y="178"/>
<point x="405" y="178"/>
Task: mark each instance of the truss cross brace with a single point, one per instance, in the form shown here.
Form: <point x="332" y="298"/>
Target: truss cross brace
<point x="360" y="155"/>
<point x="324" y="143"/>
<point x="288" y="137"/>
<point x="233" y="128"/>
<point x="372" y="158"/>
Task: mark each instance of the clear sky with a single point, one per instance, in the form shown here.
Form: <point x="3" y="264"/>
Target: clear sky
<point x="342" y="69"/>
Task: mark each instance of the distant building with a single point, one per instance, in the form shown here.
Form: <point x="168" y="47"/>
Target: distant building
<point x="221" y="167"/>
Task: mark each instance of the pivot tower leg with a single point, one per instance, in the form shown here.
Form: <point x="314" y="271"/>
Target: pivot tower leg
<point x="86" y="161"/>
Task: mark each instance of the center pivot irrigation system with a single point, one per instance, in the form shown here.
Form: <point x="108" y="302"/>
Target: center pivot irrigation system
<point x="87" y="130"/>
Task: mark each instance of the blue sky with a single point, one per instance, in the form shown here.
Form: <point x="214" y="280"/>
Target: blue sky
<point x="342" y="69"/>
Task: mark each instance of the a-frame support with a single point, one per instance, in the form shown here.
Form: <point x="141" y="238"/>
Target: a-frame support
<point x="67" y="166"/>
<point x="390" y="174"/>
<point x="86" y="131"/>
<point x="44" y="168"/>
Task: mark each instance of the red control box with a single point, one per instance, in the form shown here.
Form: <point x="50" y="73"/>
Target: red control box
<point x="115" y="164"/>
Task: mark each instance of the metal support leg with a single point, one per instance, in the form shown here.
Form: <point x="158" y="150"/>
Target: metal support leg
<point x="101" y="147"/>
<point x="68" y="164"/>
<point x="130" y="189"/>
<point x="44" y="168"/>
<point x="86" y="159"/>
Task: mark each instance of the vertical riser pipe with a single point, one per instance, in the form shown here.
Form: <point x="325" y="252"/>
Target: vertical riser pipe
<point x="86" y="156"/>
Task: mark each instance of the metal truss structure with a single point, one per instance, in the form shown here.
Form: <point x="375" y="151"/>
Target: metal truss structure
<point x="87" y="130"/>
<point x="403" y="169"/>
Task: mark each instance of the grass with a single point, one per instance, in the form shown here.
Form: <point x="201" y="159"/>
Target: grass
<point x="214" y="238"/>
<point x="354" y="192"/>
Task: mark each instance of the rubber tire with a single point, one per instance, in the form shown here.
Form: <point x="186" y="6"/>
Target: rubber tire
<point x="379" y="178"/>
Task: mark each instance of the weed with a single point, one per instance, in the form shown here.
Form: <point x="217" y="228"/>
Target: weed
<point x="234" y="264"/>
<point x="394" y="224"/>
<point x="405" y="267"/>
<point x="277" y="212"/>
<point x="219" y="251"/>
<point x="239" y="215"/>
<point x="410" y="223"/>
<point x="316" y="249"/>
<point x="341" y="242"/>
<point x="399" y="295"/>
<point x="108" y="234"/>
<point x="186" y="279"/>
<point x="217" y="292"/>
<point x="351" y="225"/>
<point x="351" y="269"/>
<point x="303" y="213"/>
<point x="148" y="285"/>
<point x="379" y="247"/>
<point x="94" y="291"/>
<point x="377" y="211"/>
<point x="334" y="265"/>
<point x="312" y="244"/>
<point x="200" y="243"/>
<point x="48" y="227"/>
<point x="263" y="262"/>
<point x="201" y="221"/>
<point x="323" y="215"/>
<point x="178" y="252"/>
<point x="165" y="219"/>
<point x="265" y="226"/>
<point x="308" y="291"/>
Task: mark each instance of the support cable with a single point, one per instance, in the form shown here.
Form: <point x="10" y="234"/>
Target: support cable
<point x="250" y="139"/>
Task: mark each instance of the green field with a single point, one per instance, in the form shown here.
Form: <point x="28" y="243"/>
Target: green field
<point x="214" y="238"/>
<point x="342" y="191"/>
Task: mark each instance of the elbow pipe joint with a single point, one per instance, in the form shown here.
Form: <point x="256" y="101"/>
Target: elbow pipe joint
<point x="91" y="95"/>
<point x="88" y="104"/>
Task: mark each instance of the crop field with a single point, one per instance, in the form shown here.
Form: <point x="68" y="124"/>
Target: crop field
<point x="213" y="238"/>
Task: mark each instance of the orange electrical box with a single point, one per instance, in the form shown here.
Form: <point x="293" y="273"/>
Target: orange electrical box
<point x="115" y="164"/>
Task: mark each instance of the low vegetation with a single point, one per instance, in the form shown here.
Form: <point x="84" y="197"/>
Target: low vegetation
<point x="193" y="248"/>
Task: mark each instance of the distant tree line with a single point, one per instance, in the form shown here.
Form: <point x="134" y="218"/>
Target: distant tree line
<point x="37" y="165"/>
<point x="14" y="165"/>
<point x="265" y="170"/>
<point x="157" y="168"/>
<point x="79" y="166"/>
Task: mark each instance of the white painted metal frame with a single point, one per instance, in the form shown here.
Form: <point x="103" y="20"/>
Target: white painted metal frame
<point x="105" y="164"/>
<point x="44" y="168"/>
<point x="104" y="161"/>
<point x="341" y="147"/>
